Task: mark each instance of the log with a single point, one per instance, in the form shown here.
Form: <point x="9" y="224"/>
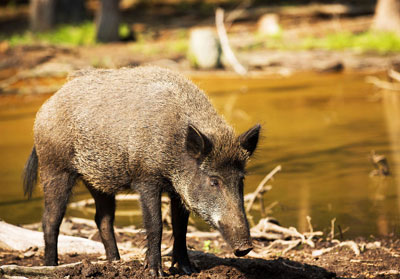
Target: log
<point x="20" y="239"/>
<point x="34" y="270"/>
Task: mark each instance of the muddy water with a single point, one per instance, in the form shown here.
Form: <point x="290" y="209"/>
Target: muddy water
<point x="319" y="128"/>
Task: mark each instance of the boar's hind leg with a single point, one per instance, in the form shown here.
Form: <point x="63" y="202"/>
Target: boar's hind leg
<point x="180" y="217"/>
<point x="105" y="213"/>
<point x="57" y="187"/>
<point x="150" y="200"/>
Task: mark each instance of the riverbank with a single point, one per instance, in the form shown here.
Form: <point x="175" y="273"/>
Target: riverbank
<point x="330" y="258"/>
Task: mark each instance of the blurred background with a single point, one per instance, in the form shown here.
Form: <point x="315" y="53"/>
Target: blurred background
<point x="322" y="77"/>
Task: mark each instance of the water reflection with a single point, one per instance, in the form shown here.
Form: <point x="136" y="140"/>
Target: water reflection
<point x="320" y="128"/>
<point x="391" y="102"/>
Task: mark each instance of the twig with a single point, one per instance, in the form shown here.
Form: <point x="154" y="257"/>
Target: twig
<point x="260" y="187"/>
<point x="291" y="266"/>
<point x="292" y="246"/>
<point x="310" y="227"/>
<point x="238" y="11"/>
<point x="332" y="233"/>
<point x="383" y="84"/>
<point x="351" y="244"/>
<point x="394" y="75"/>
<point x="226" y="49"/>
<point x="121" y="197"/>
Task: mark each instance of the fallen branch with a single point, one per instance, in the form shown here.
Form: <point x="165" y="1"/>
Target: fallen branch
<point x="351" y="244"/>
<point x="383" y="84"/>
<point x="226" y="49"/>
<point x="33" y="270"/>
<point x="121" y="197"/>
<point x="394" y="75"/>
<point x="265" y="226"/>
<point x="260" y="188"/>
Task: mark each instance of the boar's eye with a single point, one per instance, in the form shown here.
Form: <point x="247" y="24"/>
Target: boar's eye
<point x="215" y="182"/>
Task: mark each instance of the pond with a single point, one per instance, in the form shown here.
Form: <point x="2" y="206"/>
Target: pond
<point x="320" y="128"/>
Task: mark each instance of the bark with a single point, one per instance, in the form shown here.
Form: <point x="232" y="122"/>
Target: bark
<point x="108" y="18"/>
<point x="70" y="11"/>
<point x="42" y="14"/>
<point x="387" y="16"/>
<point x="45" y="14"/>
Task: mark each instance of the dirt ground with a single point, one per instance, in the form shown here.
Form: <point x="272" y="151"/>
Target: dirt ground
<point x="378" y="258"/>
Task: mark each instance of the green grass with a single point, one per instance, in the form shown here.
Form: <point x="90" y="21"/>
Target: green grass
<point x="171" y="46"/>
<point x="84" y="34"/>
<point x="72" y="35"/>
<point x="381" y="42"/>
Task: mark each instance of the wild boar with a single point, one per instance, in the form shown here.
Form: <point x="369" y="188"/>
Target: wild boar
<point x="146" y="129"/>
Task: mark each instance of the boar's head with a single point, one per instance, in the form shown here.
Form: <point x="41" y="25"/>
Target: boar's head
<point x="215" y="190"/>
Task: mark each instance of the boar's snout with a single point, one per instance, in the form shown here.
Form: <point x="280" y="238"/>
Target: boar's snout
<point x="238" y="237"/>
<point x="243" y="251"/>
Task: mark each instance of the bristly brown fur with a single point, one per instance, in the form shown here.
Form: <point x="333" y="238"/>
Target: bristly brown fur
<point x="107" y="148"/>
<point x="147" y="129"/>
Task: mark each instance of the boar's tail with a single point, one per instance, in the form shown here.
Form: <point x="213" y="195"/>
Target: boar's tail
<point x="30" y="173"/>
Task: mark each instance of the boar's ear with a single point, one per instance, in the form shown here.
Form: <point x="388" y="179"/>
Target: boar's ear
<point x="248" y="140"/>
<point x="197" y="144"/>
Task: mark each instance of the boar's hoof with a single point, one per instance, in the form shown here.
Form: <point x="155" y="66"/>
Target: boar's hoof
<point x="156" y="273"/>
<point x="242" y="252"/>
<point x="187" y="269"/>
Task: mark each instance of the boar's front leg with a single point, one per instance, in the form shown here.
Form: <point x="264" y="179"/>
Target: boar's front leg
<point x="150" y="200"/>
<point x="180" y="217"/>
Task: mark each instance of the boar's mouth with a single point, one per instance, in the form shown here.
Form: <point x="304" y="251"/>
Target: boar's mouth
<point x="242" y="252"/>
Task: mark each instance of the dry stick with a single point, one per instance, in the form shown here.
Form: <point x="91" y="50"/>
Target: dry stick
<point x="34" y="270"/>
<point x="226" y="49"/>
<point x="383" y="84"/>
<point x="332" y="233"/>
<point x="121" y="197"/>
<point x="261" y="186"/>
<point x="394" y="75"/>
<point x="237" y="12"/>
<point x="351" y="244"/>
<point x="310" y="227"/>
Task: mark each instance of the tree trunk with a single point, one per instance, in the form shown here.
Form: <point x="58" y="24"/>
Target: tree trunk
<point x="387" y="16"/>
<point x="108" y="18"/>
<point x="42" y="16"/>
<point x="45" y="14"/>
<point x="70" y="11"/>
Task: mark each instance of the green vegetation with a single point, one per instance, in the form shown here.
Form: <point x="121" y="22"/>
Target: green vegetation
<point x="209" y="248"/>
<point x="73" y="35"/>
<point x="177" y="43"/>
<point x="382" y="42"/>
